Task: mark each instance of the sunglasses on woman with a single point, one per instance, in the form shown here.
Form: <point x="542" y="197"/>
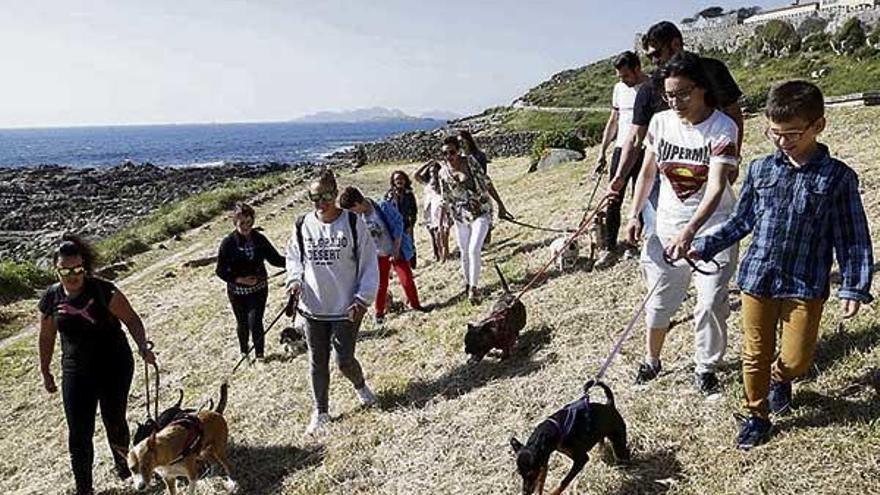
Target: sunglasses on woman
<point x="70" y="272"/>
<point x="322" y="197"/>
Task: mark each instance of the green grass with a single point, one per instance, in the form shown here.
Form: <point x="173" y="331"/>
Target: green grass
<point x="531" y="120"/>
<point x="590" y="85"/>
<point x="178" y="217"/>
<point x="21" y="279"/>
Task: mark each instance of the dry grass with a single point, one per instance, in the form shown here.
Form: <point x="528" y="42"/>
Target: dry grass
<point x="443" y="427"/>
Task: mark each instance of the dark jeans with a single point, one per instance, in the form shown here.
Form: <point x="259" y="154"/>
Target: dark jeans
<point x="341" y="336"/>
<point x="82" y="392"/>
<point x="612" y="212"/>
<point x="249" y="309"/>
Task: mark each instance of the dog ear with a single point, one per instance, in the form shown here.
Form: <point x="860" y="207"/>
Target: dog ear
<point x="151" y="441"/>
<point x="515" y="445"/>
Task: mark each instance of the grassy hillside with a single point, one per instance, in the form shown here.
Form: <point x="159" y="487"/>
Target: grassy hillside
<point x="443" y="426"/>
<point x="590" y="85"/>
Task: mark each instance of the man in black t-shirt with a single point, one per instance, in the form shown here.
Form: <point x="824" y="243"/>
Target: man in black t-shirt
<point x="662" y="41"/>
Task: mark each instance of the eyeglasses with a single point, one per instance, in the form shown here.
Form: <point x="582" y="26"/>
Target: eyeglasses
<point x="790" y="136"/>
<point x="70" y="272"/>
<point x="683" y="95"/>
<point x="322" y="197"/>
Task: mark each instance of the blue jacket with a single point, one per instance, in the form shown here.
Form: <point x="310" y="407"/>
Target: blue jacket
<point x="394" y="223"/>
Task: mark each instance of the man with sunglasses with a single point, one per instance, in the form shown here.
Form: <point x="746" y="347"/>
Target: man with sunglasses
<point x="332" y="269"/>
<point x="660" y="43"/>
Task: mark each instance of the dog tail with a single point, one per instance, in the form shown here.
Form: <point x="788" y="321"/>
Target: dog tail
<point x="179" y="398"/>
<point x="221" y="405"/>
<point x="503" y="281"/>
<point x="609" y="395"/>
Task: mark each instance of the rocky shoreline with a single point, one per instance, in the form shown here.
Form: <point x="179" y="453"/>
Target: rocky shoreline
<point x="38" y="204"/>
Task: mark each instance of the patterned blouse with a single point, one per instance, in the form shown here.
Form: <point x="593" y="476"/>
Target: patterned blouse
<point x="468" y="199"/>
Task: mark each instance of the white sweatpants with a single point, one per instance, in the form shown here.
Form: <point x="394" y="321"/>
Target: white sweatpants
<point x="470" y="243"/>
<point x="712" y="307"/>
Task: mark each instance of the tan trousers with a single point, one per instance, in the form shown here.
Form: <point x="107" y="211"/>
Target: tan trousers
<point x="761" y="316"/>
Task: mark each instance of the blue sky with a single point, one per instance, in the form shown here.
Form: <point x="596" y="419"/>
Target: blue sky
<point x="78" y="62"/>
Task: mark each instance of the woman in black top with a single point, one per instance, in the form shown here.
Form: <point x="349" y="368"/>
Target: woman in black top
<point x="241" y="264"/>
<point x="401" y="195"/>
<point x="96" y="360"/>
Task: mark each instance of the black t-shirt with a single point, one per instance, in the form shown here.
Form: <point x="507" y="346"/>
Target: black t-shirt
<point x="239" y="257"/>
<point x="91" y="336"/>
<point x="649" y="96"/>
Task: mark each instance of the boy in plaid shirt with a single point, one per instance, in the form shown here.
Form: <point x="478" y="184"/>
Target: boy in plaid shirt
<point x="801" y="205"/>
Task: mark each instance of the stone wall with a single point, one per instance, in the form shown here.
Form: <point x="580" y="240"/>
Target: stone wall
<point x="731" y="38"/>
<point x="425" y="145"/>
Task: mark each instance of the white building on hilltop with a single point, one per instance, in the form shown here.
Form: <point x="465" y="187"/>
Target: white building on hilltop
<point x="800" y="10"/>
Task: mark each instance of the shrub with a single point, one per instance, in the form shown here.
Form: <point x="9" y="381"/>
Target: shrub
<point x="21" y="279"/>
<point x="816" y="42"/>
<point x="874" y="38"/>
<point x="850" y="37"/>
<point x="556" y="139"/>
<point x="811" y="25"/>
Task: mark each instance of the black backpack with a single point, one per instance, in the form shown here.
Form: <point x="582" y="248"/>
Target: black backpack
<point x="352" y="224"/>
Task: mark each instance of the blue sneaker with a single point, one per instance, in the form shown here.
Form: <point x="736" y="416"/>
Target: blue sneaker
<point x="779" y="398"/>
<point x="753" y="431"/>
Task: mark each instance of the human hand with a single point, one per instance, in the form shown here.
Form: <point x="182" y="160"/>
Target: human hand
<point x="633" y="231"/>
<point x="294" y="289"/>
<point x="49" y="382"/>
<point x="680" y="245"/>
<point x="148" y="356"/>
<point x="599" y="167"/>
<point x="615" y="186"/>
<point x="849" y="308"/>
<point x="356" y="312"/>
<point x="694" y="254"/>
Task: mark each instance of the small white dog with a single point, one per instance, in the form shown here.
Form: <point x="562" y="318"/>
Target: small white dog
<point x="566" y="258"/>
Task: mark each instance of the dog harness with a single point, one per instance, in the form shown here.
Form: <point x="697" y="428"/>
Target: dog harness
<point x="564" y="419"/>
<point x="194" y="434"/>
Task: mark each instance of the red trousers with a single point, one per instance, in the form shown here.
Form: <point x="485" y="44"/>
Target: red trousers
<point x="404" y="275"/>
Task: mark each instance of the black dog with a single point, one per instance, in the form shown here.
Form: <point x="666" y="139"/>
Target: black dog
<point x="573" y="430"/>
<point x="292" y="340"/>
<point x="500" y="329"/>
<point x="153" y="425"/>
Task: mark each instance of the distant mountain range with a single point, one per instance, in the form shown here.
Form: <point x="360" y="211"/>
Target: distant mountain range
<point x="375" y="114"/>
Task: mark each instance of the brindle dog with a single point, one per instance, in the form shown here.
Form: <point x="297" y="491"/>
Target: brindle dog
<point x="500" y="329"/>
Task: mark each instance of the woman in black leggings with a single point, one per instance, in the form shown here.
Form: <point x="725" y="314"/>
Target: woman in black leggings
<point x="241" y="264"/>
<point x="96" y="360"/>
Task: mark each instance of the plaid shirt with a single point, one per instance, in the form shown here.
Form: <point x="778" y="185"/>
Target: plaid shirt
<point x="797" y="216"/>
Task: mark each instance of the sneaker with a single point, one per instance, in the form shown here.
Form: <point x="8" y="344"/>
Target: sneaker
<point x="707" y="383"/>
<point x="753" y="431"/>
<point x="647" y="372"/>
<point x="631" y="253"/>
<point x="318" y="422"/>
<point x="121" y="468"/>
<point x="779" y="397"/>
<point x="606" y="259"/>
<point x="366" y="396"/>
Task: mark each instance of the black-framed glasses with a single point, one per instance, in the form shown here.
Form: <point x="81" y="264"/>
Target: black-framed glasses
<point x="71" y="271"/>
<point x="682" y="95"/>
<point x="322" y="197"/>
<point x="791" y="136"/>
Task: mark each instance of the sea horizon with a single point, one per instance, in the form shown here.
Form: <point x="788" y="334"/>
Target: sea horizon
<point x="192" y="144"/>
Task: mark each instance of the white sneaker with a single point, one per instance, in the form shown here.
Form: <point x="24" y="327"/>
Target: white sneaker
<point x="319" y="420"/>
<point x="366" y="396"/>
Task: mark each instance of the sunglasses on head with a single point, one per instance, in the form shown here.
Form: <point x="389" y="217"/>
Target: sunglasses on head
<point x="322" y="196"/>
<point x="70" y="272"/>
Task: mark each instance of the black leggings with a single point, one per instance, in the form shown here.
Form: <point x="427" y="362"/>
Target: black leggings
<point x="249" y="309"/>
<point x="82" y="392"/>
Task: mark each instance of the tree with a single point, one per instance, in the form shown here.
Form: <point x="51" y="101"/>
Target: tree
<point x="874" y="39"/>
<point x="811" y="25"/>
<point x="850" y="37"/>
<point x="711" y="12"/>
<point x="776" y="38"/>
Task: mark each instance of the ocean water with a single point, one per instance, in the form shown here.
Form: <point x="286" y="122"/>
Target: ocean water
<point x="190" y="144"/>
